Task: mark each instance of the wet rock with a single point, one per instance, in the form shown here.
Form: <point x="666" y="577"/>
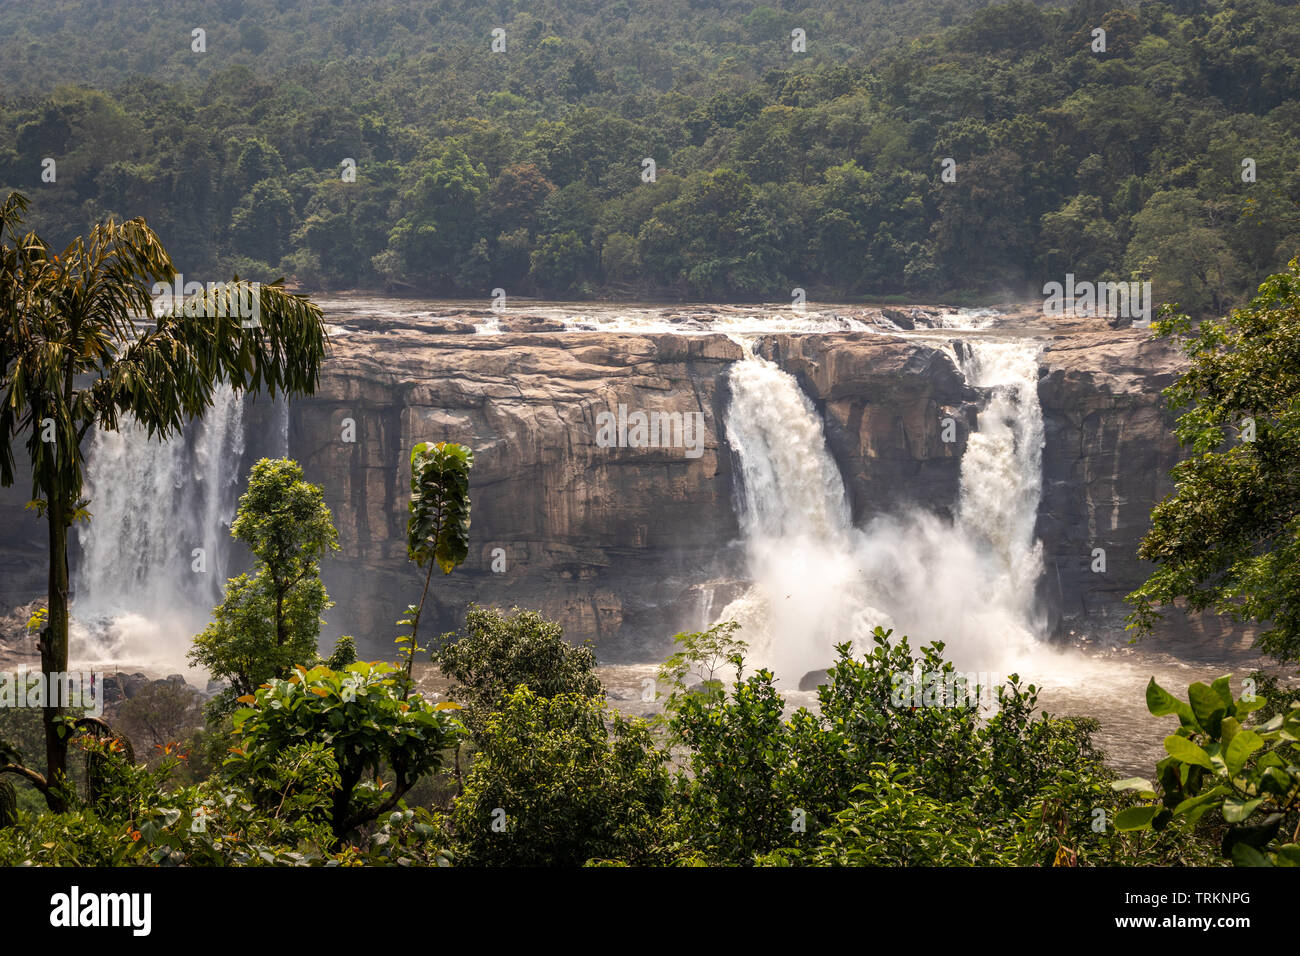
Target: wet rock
<point x="813" y="679"/>
<point x="533" y="323"/>
<point x="904" y="320"/>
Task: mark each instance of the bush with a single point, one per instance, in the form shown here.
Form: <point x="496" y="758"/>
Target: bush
<point x="360" y="714"/>
<point x="1223" y="765"/>
<point x="495" y="654"/>
<point x="868" y="767"/>
<point x="552" y="785"/>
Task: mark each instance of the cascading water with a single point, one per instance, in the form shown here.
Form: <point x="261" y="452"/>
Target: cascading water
<point x="138" y="594"/>
<point x="819" y="581"/>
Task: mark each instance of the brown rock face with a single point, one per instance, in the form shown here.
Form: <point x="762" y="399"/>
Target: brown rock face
<point x="627" y="545"/>
<point x="608" y="540"/>
<point x="1110" y="447"/>
<point x="883" y="401"/>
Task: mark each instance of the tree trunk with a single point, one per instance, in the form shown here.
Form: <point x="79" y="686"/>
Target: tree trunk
<point x="54" y="653"/>
<point x="281" y="631"/>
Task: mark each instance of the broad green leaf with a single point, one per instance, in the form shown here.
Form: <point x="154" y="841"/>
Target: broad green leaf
<point x="1244" y="707"/>
<point x="1229" y="730"/>
<point x="1288" y="855"/>
<point x="1161" y="703"/>
<point x="1208" y="707"/>
<point x="1180" y="748"/>
<point x="1135" y="818"/>
<point x="1236" y="810"/>
<point x="1223" y="689"/>
<point x="1243" y="854"/>
<point x="1291" y="725"/>
<point x="1239" y="750"/>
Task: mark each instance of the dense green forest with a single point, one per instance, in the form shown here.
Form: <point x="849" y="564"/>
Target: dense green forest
<point x="773" y="169"/>
<point x="1168" y="156"/>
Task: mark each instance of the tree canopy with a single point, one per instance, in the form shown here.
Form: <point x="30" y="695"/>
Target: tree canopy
<point x="1228" y="538"/>
<point x="361" y="150"/>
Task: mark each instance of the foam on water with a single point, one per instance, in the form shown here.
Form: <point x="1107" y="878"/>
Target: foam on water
<point x="137" y="597"/>
<point x="818" y="580"/>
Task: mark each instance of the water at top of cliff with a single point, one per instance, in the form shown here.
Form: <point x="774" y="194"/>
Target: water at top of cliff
<point x="818" y="581"/>
<point x="140" y="591"/>
<point x="644" y="318"/>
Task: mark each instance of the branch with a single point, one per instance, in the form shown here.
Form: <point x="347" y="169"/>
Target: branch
<point x="37" y="780"/>
<point x="400" y="787"/>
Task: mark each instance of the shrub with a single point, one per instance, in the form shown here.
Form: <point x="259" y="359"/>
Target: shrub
<point x="495" y="654"/>
<point x="1220" y="764"/>
<point x="554" y="785"/>
<point x="362" y="716"/>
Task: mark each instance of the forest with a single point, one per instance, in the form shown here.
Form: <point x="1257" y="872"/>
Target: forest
<point x="390" y="148"/>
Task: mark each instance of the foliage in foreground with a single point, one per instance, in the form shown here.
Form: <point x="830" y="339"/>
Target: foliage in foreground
<point x="496" y="653"/>
<point x="1228" y="538"/>
<point x="1219" y="765"/>
<point x="727" y="777"/>
<point x="560" y="780"/>
<point x="367" y="721"/>
<point x="271" y="616"/>
<point x="437" y="531"/>
<point x="73" y="359"/>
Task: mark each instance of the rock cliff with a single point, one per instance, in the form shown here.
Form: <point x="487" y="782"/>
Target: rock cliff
<point x="609" y="540"/>
<point x="626" y="545"/>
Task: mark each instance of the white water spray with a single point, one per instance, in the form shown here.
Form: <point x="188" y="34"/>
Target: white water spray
<point x="819" y="581"/>
<point x="137" y="596"/>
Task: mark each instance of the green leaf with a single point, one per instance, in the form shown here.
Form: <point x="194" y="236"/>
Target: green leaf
<point x="1236" y="810"/>
<point x="1132" y="783"/>
<point x="1288" y="854"/>
<point x="1208" y="707"/>
<point x="1229" y="729"/>
<point x="1291" y="725"/>
<point x="1239" y="750"/>
<point x="1193" y="808"/>
<point x="1161" y="703"/>
<point x="1180" y="748"/>
<point x="1244" y="707"/>
<point x="1135" y="818"/>
<point x="1222" y="687"/>
<point x="1243" y="854"/>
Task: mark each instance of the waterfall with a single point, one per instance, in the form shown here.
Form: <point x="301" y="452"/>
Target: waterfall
<point x="140" y="591"/>
<point x="819" y="581"/>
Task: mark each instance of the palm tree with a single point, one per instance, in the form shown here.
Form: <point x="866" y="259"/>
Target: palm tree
<point x="80" y="347"/>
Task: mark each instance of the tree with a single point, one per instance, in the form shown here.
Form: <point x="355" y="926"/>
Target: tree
<point x="558" y="262"/>
<point x="496" y="654"/>
<point x="437" y="531"/>
<point x="73" y="358"/>
<point x="270" y="620"/>
<point x="161" y="713"/>
<point x="363" y="716"/>
<point x="1228" y="537"/>
<point x="897" y="728"/>
<point x="1176" y="247"/>
<point x="441" y="219"/>
<point x="554" y="785"/>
